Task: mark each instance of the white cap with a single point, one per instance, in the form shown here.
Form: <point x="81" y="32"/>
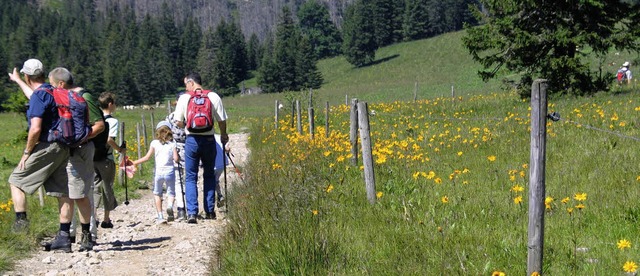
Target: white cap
<point x="32" y="67"/>
<point x="625" y="64"/>
<point x="163" y="123"/>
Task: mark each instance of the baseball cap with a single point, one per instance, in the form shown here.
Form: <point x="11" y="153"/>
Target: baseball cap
<point x="163" y="123"/>
<point x="32" y="67"/>
<point x="625" y="64"/>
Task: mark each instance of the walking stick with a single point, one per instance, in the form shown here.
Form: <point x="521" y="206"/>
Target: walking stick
<point x="234" y="166"/>
<point x="184" y="201"/>
<point x="126" y="189"/>
<point x="226" y="194"/>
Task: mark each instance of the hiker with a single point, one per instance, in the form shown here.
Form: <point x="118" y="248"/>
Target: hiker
<point x="179" y="137"/>
<point x="105" y="168"/>
<point x="624" y="74"/>
<point x="164" y="150"/>
<point x="80" y="174"/>
<point x="43" y="163"/>
<point x="221" y="161"/>
<point x="200" y="144"/>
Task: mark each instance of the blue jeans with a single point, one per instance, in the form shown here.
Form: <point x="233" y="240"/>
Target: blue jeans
<point x="200" y="148"/>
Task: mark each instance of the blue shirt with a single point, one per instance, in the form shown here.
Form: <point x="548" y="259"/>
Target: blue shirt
<point x="43" y="105"/>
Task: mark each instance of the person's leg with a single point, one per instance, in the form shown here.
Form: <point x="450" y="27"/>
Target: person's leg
<point x="108" y="174"/>
<point x="159" y="180"/>
<point x="208" y="145"/>
<point x="171" y="194"/>
<point x="19" y="199"/>
<point x="192" y="159"/>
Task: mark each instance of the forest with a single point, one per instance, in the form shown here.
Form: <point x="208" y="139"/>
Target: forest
<point x="140" y="50"/>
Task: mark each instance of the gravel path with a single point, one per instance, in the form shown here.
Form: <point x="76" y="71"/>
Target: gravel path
<point x="137" y="246"/>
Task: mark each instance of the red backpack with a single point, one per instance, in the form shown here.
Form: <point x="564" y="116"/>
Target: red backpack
<point x="199" y="111"/>
<point x="73" y="128"/>
<point x="622" y="75"/>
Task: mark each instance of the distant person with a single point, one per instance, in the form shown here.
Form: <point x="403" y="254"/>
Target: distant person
<point x="221" y="161"/>
<point x="624" y="74"/>
<point x="165" y="154"/>
<point x="43" y="163"/>
<point x="106" y="168"/>
<point x="179" y="136"/>
<point x="200" y="145"/>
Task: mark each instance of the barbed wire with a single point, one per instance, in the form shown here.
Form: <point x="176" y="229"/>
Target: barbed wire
<point x="621" y="135"/>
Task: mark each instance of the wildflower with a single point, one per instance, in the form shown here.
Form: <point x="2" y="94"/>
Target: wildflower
<point x="498" y="273"/>
<point x="580" y="197"/>
<point x="517" y="200"/>
<point x="327" y="153"/>
<point x="314" y="212"/>
<point x="379" y="195"/>
<point x="517" y="188"/>
<point x="580" y="206"/>
<point x="535" y="273"/>
<point x="438" y="180"/>
<point x="623" y="243"/>
<point x="630" y="266"/>
<point x="491" y="158"/>
<point x="525" y="165"/>
<point x="459" y="153"/>
<point x="340" y="158"/>
<point x="565" y="200"/>
<point x="330" y="188"/>
<point x="276" y="166"/>
<point x="445" y="199"/>
<point x="569" y="210"/>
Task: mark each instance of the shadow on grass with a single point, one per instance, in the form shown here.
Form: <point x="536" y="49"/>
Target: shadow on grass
<point x="375" y="62"/>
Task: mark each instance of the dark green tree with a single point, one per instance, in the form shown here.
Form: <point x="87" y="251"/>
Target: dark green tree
<point x="415" y="23"/>
<point x="308" y="74"/>
<point x="316" y="24"/>
<point x="254" y="52"/>
<point x="268" y="78"/>
<point x="169" y="40"/>
<point x="547" y="39"/>
<point x="230" y="66"/>
<point x="207" y="58"/>
<point x="190" y="41"/>
<point x="359" y="43"/>
<point x="153" y="74"/>
<point x="386" y="17"/>
<point x="286" y="51"/>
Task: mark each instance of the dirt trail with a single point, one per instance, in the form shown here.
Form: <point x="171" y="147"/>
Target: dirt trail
<point x="137" y="246"/>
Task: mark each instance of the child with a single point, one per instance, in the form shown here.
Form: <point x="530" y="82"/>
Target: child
<point x="221" y="161"/>
<point x="166" y="154"/>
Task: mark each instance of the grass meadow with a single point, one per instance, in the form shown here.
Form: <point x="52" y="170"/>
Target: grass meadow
<point x="451" y="176"/>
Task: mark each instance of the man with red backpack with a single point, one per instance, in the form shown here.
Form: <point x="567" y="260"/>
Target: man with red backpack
<point x="624" y="75"/>
<point x="197" y="110"/>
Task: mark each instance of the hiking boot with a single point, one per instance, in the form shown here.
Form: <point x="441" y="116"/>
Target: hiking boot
<point x="211" y="215"/>
<point x="220" y="201"/>
<point x="106" y="224"/>
<point x="72" y="239"/>
<point x="170" y="214"/>
<point x="20" y="226"/>
<point x="192" y="219"/>
<point x="61" y="242"/>
<point x="182" y="215"/>
<point x="86" y="244"/>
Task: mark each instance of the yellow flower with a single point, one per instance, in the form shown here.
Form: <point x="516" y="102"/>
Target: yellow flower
<point x="580" y="197"/>
<point x="445" y="199"/>
<point x="330" y="188"/>
<point x="438" y="180"/>
<point x="459" y="153"/>
<point x="491" y="158"/>
<point x="276" y="166"/>
<point x="314" y="212"/>
<point x="327" y="153"/>
<point x="517" y="188"/>
<point x="630" y="266"/>
<point x="535" y="273"/>
<point x="379" y="194"/>
<point x="623" y="243"/>
<point x="580" y="206"/>
<point x="548" y="200"/>
<point x="565" y="200"/>
<point x="517" y="200"/>
<point x="498" y="273"/>
<point x="569" y="210"/>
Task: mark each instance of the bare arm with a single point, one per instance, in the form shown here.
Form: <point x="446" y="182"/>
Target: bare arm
<point x="144" y="158"/>
<point x="96" y="129"/>
<point x="176" y="156"/>
<point x="115" y="146"/>
<point x="32" y="140"/>
<point x="224" y="137"/>
<point x="23" y="85"/>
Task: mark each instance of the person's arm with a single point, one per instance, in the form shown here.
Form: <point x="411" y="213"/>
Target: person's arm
<point x="32" y="140"/>
<point x="114" y="146"/>
<point x="15" y="76"/>
<point x="144" y="158"/>
<point x="176" y="156"/>
<point x="224" y="137"/>
<point x="96" y="128"/>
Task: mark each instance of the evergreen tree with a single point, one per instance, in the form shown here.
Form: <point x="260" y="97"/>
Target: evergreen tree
<point x="230" y="66"/>
<point x="307" y="71"/>
<point x="543" y="39"/>
<point x="386" y="17"/>
<point x="153" y="74"/>
<point x="207" y="58"/>
<point x="359" y="44"/>
<point x="189" y="46"/>
<point x="286" y="51"/>
<point x="416" y="20"/>
<point x="254" y="53"/>
<point x="268" y="77"/>
<point x="316" y="24"/>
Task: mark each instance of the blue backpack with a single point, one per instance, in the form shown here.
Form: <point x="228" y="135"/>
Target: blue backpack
<point x="73" y="128"/>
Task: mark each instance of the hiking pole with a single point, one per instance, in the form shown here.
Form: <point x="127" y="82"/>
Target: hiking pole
<point x="126" y="189"/>
<point x="224" y="162"/>
<point x="184" y="201"/>
<point x="234" y="166"/>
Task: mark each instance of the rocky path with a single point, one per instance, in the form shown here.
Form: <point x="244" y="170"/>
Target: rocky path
<point x="137" y="246"/>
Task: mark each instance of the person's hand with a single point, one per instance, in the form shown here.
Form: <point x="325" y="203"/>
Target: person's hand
<point x="15" y="76"/>
<point x="23" y="161"/>
<point x="224" y="138"/>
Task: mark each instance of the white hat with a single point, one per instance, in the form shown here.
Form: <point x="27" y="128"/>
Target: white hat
<point x="163" y="123"/>
<point x="32" y="67"/>
<point x="625" y="64"/>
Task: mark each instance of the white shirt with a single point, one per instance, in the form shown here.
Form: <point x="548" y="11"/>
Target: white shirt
<point x="219" y="114"/>
<point x="163" y="156"/>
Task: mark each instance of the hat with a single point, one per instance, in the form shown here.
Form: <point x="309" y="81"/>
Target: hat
<point x="625" y="64"/>
<point x="163" y="123"/>
<point x="32" y="67"/>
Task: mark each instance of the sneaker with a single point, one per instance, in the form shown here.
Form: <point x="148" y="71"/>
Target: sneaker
<point x="211" y="215"/>
<point x="61" y="242"/>
<point x="182" y="215"/>
<point x="220" y="202"/>
<point x="20" y="226"/>
<point x="161" y="221"/>
<point x="86" y="244"/>
<point x="170" y="214"/>
<point x="192" y="219"/>
<point x="106" y="224"/>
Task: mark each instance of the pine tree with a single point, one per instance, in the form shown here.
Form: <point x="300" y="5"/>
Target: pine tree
<point x="416" y="20"/>
<point x="169" y="40"/>
<point x="189" y="46"/>
<point x="231" y="58"/>
<point x="359" y="44"/>
<point x="268" y="77"/>
<point x="316" y="24"/>
<point x="286" y="52"/>
<point x="254" y="53"/>
<point x="207" y="58"/>
<point x="386" y="17"/>
<point x="307" y="71"/>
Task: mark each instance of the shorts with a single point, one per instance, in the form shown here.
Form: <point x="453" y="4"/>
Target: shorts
<point x="47" y="165"/>
<point x="103" y="184"/>
<point x="167" y="178"/>
<point x="80" y="171"/>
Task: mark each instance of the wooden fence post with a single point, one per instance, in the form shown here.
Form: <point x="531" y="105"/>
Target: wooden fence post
<point x="312" y="125"/>
<point x="121" y="174"/>
<point x="41" y="196"/>
<point x="138" y="142"/>
<point x="535" y="228"/>
<point x="367" y="157"/>
<point x="298" y="116"/>
<point x="277" y="104"/>
<point x="293" y="113"/>
<point x="144" y="134"/>
<point x="326" y="120"/>
<point x="353" y="131"/>
<point x="153" y="125"/>
<point x="168" y="106"/>
<point x="415" y="92"/>
<point x="346" y="99"/>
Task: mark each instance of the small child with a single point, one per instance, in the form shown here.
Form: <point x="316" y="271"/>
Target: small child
<point x="166" y="154"/>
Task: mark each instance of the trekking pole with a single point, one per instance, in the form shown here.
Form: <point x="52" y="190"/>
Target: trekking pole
<point x="234" y="166"/>
<point x="184" y="201"/>
<point x="126" y="189"/>
<point x="224" y="161"/>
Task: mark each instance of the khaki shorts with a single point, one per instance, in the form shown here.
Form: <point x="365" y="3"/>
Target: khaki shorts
<point x="47" y="165"/>
<point x="103" y="184"/>
<point x="80" y="171"/>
